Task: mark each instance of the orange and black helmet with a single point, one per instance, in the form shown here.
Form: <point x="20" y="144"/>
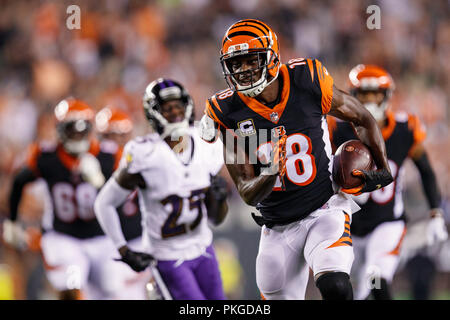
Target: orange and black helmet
<point x="370" y="78"/>
<point x="111" y="120"/>
<point x="245" y="37"/>
<point x="74" y="123"/>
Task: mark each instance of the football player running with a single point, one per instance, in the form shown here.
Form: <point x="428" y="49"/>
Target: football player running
<point x="114" y="128"/>
<point x="378" y="229"/>
<point x="175" y="173"/>
<point x="73" y="243"/>
<point x="279" y="111"/>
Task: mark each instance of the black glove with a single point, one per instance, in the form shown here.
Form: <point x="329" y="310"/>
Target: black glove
<point x="138" y="261"/>
<point x="218" y="189"/>
<point x="373" y="180"/>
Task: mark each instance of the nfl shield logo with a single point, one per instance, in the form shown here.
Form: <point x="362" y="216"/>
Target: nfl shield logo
<point x="274" y="116"/>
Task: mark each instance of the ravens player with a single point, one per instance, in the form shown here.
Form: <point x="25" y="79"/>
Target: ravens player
<point x="175" y="173"/>
<point x="378" y="229"/>
<point x="73" y="244"/>
<point x="277" y="112"/>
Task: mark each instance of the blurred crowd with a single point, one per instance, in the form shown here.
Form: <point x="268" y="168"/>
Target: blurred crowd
<point x="122" y="45"/>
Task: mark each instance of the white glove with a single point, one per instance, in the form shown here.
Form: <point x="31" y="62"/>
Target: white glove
<point x="436" y="229"/>
<point x="90" y="170"/>
<point x="14" y="234"/>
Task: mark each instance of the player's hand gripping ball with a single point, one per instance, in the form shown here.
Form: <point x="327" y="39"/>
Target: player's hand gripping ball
<point x="351" y="158"/>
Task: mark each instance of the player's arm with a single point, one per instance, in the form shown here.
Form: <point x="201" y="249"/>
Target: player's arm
<point x="216" y="200"/>
<point x="13" y="233"/>
<point x="348" y="108"/>
<point x="436" y="229"/>
<point x="251" y="187"/>
<point x="114" y="193"/>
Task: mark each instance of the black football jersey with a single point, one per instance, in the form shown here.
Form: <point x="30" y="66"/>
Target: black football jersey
<point x="401" y="133"/>
<point x="299" y="112"/>
<point x="72" y="198"/>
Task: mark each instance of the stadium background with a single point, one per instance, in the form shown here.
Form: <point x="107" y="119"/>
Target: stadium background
<point x="124" y="44"/>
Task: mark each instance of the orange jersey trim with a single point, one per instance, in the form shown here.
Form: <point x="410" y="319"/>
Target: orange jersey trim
<point x="311" y="69"/>
<point x="71" y="162"/>
<point x="326" y="86"/>
<point x="117" y="157"/>
<point x="210" y="112"/>
<point x="33" y="154"/>
<point x="389" y="128"/>
<point x="265" y="111"/>
<point x="418" y="131"/>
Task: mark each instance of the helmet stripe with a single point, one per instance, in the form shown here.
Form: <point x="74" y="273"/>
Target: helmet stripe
<point x="245" y="26"/>
<point x="242" y="33"/>
<point x="256" y="22"/>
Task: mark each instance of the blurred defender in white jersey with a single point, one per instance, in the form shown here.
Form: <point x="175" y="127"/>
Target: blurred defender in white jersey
<point x="179" y="190"/>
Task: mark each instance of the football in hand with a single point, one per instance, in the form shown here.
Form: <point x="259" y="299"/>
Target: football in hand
<point x="350" y="155"/>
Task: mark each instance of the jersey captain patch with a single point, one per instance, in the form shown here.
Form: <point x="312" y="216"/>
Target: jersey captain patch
<point x="246" y="127"/>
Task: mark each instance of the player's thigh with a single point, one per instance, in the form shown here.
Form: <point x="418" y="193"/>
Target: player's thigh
<point x="328" y="246"/>
<point x="66" y="264"/>
<point x="280" y="266"/>
<point x="383" y="248"/>
<point x="180" y="280"/>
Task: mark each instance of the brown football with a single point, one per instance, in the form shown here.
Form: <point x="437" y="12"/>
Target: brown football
<point x="350" y="155"/>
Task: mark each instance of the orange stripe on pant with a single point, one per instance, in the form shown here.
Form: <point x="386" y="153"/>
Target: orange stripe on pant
<point x="346" y="237"/>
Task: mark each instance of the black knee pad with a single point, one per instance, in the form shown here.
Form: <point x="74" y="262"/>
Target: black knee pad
<point x="335" y="286"/>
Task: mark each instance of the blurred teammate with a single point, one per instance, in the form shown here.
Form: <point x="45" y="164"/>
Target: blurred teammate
<point x="278" y="111"/>
<point x="378" y="229"/>
<point x="114" y="128"/>
<point x="73" y="244"/>
<point x="178" y="187"/>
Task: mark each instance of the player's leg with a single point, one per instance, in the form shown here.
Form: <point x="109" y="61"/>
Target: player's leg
<point x="281" y="270"/>
<point x="357" y="276"/>
<point x="180" y="279"/>
<point x="329" y="252"/>
<point x="66" y="266"/>
<point x="382" y="254"/>
<point x="208" y="276"/>
<point x="115" y="279"/>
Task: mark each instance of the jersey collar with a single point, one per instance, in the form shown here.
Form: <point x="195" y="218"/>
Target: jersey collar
<point x="271" y="114"/>
<point x="71" y="162"/>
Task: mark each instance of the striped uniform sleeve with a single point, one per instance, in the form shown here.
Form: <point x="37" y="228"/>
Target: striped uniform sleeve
<point x="417" y="129"/>
<point x="322" y="83"/>
<point x="34" y="151"/>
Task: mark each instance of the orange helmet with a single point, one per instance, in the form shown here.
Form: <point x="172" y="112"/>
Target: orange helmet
<point x="74" y="123"/>
<point x="372" y="78"/>
<point x="245" y="37"/>
<point x="113" y="120"/>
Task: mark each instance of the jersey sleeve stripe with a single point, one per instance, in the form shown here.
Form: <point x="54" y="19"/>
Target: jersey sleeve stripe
<point x="326" y="86"/>
<point x="210" y="112"/>
<point x="33" y="154"/>
<point x="311" y="69"/>
<point x="216" y="104"/>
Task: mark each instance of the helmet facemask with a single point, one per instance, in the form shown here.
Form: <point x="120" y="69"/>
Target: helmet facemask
<point x="265" y="58"/>
<point x="74" y="135"/>
<point x="377" y="110"/>
<point x="155" y="95"/>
